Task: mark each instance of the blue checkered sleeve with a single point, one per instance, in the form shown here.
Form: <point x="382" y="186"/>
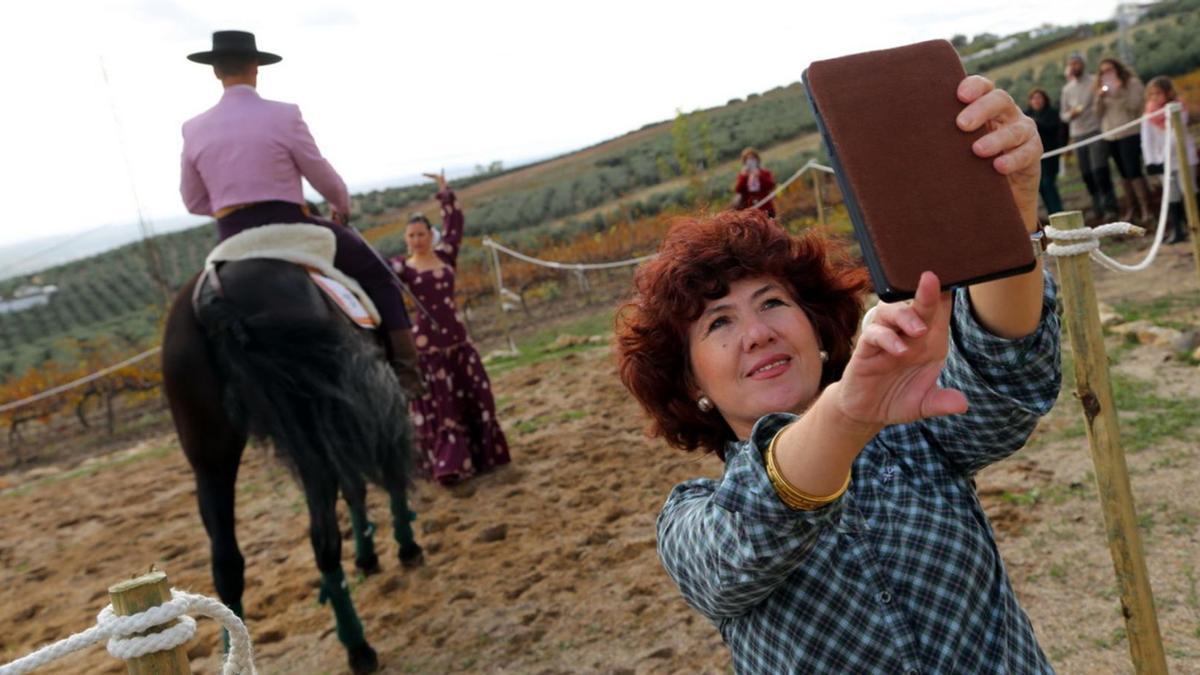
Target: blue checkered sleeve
<point x="728" y="544"/>
<point x="1009" y="385"/>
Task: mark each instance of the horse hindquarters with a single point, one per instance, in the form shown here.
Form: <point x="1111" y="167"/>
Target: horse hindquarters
<point x="298" y="374"/>
<point x="302" y="376"/>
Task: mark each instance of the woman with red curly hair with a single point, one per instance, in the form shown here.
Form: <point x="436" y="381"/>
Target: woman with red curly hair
<point x="845" y="534"/>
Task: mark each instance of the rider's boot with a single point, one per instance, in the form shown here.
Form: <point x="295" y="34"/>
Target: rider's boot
<point x="402" y="355"/>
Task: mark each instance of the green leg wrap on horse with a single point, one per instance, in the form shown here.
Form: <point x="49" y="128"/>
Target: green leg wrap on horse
<point x="336" y="591"/>
<point x="402" y="520"/>
<point x="364" y="536"/>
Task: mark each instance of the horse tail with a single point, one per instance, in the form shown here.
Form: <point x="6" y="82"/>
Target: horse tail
<point x="316" y="387"/>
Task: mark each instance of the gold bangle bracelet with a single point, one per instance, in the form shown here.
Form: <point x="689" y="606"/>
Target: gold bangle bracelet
<point x="792" y="496"/>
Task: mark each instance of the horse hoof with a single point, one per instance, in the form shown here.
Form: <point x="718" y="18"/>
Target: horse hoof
<point x="412" y="556"/>
<point x="363" y="660"/>
<point x="369" y="566"/>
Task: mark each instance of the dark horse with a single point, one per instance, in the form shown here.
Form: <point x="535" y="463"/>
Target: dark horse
<point x="263" y="353"/>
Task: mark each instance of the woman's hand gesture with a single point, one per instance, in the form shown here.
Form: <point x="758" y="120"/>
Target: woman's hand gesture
<point x="892" y="375"/>
<point x="440" y="177"/>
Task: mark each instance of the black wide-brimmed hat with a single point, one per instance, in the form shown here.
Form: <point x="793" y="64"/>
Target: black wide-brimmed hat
<point x="233" y="43"/>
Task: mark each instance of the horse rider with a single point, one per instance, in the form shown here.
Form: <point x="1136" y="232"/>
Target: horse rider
<point x="242" y="163"/>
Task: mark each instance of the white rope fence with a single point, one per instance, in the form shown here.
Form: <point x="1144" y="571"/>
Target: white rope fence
<point x="814" y="165"/>
<point x="492" y="243"/>
<point x="1087" y="240"/>
<point x="1108" y="135"/>
<point x="810" y="164"/>
<point x="124" y="643"/>
<point x="13" y="405"/>
<point x="579" y="268"/>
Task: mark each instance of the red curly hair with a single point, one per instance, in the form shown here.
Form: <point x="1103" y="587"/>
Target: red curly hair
<point x="697" y="262"/>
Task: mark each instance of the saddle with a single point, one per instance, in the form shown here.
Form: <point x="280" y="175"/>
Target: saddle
<point x="309" y="246"/>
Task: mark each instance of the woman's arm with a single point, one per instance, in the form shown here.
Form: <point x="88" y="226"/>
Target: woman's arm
<point x="1010" y="307"/>
<point x="1100" y="100"/>
<point x="1064" y="135"/>
<point x="1004" y="352"/>
<point x="1067" y="112"/>
<point x="1010" y="384"/>
<point x="1135" y="97"/>
<point x="1149" y="152"/>
<point x="891" y="379"/>
<point x="739" y="192"/>
<point x="768" y="181"/>
<point x="728" y="544"/>
<point x="893" y="374"/>
<point x="453" y="223"/>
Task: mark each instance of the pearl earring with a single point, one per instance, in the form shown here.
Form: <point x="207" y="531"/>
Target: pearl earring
<point x="823" y="355"/>
<point x="705" y="404"/>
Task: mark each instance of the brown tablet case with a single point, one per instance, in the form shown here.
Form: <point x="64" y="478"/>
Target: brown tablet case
<point x="918" y="196"/>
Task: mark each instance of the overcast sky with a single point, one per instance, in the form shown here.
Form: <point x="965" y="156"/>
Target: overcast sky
<point x="393" y="88"/>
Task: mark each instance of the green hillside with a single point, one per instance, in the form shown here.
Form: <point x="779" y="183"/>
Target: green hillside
<point x="1166" y="45"/>
<point x="639" y="173"/>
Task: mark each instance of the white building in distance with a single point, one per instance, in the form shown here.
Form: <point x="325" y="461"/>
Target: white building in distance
<point x="26" y="297"/>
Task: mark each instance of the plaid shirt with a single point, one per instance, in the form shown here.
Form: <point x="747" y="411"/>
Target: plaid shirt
<point x="899" y="575"/>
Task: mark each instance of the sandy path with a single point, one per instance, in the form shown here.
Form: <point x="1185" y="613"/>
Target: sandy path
<point x="574" y="585"/>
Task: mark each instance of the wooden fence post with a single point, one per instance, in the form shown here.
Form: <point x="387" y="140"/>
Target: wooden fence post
<point x="1094" y="391"/>
<point x="816" y="179"/>
<point x="1187" y="182"/>
<point x="138" y="595"/>
<point x="494" y="258"/>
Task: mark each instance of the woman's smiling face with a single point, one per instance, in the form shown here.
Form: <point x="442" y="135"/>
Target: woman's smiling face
<point x="754" y="351"/>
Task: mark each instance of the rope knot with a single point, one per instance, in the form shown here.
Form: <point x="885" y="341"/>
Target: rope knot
<point x="125" y="643"/>
<point x="1087" y="238"/>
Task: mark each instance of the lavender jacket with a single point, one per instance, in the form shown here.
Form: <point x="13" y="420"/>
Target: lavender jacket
<point x="247" y="149"/>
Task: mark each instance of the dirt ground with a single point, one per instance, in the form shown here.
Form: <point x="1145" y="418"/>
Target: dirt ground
<point x="549" y="565"/>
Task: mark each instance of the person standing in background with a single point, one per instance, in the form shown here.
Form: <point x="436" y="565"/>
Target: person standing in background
<point x="1159" y="93"/>
<point x="456" y="422"/>
<point x="1120" y="97"/>
<point x="1053" y="133"/>
<point x="242" y="164"/>
<point x="754" y="182"/>
<point x="1079" y="110"/>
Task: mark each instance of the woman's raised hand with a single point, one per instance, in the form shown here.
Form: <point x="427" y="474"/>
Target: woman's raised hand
<point x="892" y="375"/>
<point x="1012" y="139"/>
<point x="440" y="177"/>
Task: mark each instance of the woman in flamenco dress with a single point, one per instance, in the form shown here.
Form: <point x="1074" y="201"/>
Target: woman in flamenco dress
<point x="456" y="423"/>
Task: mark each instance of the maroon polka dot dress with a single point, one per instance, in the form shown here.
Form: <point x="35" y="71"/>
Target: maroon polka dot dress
<point x="456" y="423"/>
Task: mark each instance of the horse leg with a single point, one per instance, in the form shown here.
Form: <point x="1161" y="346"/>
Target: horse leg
<point x="214" y="449"/>
<point x="365" y="558"/>
<point x="215" y="492"/>
<point x="411" y="554"/>
<point x="321" y="489"/>
<point x="212" y="442"/>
